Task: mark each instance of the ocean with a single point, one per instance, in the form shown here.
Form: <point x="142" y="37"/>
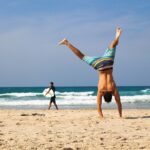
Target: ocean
<point x="71" y="97"/>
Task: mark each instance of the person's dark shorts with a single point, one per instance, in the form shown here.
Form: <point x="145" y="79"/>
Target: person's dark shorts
<point x="53" y="99"/>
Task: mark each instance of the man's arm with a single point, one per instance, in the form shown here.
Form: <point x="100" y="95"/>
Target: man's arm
<point x="118" y="101"/>
<point x="48" y="91"/>
<point x="99" y="103"/>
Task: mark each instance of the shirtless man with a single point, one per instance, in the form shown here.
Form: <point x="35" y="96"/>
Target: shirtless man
<point x="104" y="65"/>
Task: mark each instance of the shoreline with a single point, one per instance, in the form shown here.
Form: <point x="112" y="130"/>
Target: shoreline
<point x="92" y="108"/>
<point x="74" y="129"/>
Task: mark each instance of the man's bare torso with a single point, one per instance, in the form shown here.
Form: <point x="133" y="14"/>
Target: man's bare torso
<point x="106" y="82"/>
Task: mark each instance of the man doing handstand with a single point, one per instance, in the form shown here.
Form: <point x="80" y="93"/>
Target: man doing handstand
<point x="104" y="65"/>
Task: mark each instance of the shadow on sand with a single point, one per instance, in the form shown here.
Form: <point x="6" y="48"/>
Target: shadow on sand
<point x="143" y="117"/>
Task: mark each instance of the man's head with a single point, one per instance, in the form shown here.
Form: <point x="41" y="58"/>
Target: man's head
<point x="107" y="96"/>
<point x="51" y="83"/>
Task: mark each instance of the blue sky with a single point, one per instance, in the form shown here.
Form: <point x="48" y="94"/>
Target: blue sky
<point x="31" y="29"/>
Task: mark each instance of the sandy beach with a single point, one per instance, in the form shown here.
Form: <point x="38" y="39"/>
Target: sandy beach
<point x="74" y="130"/>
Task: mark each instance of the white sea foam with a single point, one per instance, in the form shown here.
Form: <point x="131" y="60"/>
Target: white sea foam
<point x="71" y="97"/>
<point x="29" y="94"/>
<point x="21" y="94"/>
<point x="137" y="98"/>
<point x="145" y="90"/>
<point x="73" y="100"/>
<point x="75" y="93"/>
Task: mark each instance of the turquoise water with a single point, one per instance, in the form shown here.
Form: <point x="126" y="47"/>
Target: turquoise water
<point x="71" y="97"/>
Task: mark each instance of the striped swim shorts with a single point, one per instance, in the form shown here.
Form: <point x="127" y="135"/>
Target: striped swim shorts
<point x="102" y="63"/>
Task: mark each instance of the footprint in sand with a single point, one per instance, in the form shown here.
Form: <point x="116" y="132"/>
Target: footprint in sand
<point x="67" y="148"/>
<point x="11" y="139"/>
<point x="1" y="144"/>
<point x="142" y="147"/>
<point x="123" y="139"/>
<point x="103" y="132"/>
<point x="18" y="124"/>
<point x="138" y="128"/>
<point x="24" y="115"/>
<point x="118" y="137"/>
<point x="97" y="122"/>
<point x="36" y="114"/>
<point x="50" y="140"/>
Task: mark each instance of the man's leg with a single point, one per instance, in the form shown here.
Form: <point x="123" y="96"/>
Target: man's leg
<point x="70" y="46"/>
<point x="115" y="42"/>
<point x="50" y="103"/>
<point x="56" y="105"/>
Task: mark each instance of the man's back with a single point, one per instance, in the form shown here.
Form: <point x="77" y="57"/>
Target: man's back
<point x="106" y="81"/>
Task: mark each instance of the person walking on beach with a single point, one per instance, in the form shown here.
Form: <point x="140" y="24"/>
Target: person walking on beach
<point x="104" y="65"/>
<point x="53" y="98"/>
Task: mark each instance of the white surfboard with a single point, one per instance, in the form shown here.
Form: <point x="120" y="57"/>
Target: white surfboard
<point x="49" y="94"/>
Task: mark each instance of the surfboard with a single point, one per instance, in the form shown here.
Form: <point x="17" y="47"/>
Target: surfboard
<point x="49" y="94"/>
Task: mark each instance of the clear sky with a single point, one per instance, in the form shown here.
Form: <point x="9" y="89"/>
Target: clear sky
<point x="31" y="29"/>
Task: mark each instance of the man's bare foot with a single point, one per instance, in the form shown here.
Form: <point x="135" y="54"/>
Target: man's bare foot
<point x="63" y="42"/>
<point x="118" y="32"/>
<point x="101" y="118"/>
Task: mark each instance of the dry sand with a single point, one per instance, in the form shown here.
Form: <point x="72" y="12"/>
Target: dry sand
<point x="74" y="130"/>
